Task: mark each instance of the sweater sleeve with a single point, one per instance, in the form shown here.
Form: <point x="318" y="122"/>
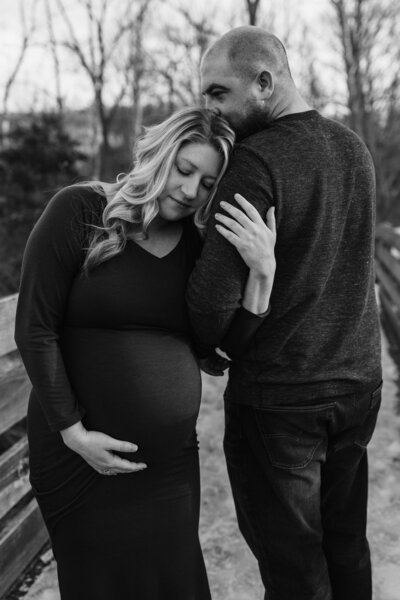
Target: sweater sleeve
<point x="52" y="259"/>
<point x="241" y="331"/>
<point x="217" y="283"/>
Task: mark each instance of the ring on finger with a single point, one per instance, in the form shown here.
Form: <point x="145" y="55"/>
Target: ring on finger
<point x="107" y="472"/>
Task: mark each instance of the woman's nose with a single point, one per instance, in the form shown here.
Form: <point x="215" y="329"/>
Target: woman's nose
<point x="190" y="188"/>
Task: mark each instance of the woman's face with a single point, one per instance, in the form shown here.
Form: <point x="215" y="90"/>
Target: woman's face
<point x="190" y="181"/>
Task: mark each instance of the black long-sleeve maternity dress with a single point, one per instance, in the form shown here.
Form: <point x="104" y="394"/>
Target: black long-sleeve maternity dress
<point x="112" y="347"/>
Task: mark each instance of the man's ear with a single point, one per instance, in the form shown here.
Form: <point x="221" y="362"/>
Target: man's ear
<point x="265" y="81"/>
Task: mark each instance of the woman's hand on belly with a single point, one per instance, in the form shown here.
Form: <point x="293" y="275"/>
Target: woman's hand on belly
<point x="98" y="450"/>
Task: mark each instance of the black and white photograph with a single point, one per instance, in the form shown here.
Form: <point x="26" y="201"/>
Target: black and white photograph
<point x="199" y="300"/>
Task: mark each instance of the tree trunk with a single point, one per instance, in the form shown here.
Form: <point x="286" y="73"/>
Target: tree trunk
<point x="252" y="9"/>
<point x="56" y="62"/>
<point x="137" y="111"/>
<point x="104" y="121"/>
<point x="351" y="32"/>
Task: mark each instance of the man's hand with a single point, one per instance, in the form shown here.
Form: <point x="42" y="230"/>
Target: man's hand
<point x="214" y="364"/>
<point x="97" y="449"/>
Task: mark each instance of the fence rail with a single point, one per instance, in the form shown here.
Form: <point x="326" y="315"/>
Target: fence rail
<point x="22" y="531"/>
<point x="387" y="254"/>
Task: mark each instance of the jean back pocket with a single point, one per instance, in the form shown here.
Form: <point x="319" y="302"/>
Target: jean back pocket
<point x="293" y="434"/>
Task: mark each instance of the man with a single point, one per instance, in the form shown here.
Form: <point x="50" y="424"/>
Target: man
<point x="302" y="399"/>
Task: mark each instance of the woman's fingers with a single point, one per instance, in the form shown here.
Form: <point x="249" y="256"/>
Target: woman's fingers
<point x="228" y="235"/>
<point x="231" y="224"/>
<point x="247" y="215"/>
<point x="252" y="237"/>
<point x="246" y="229"/>
<point x="271" y="221"/>
<point x="114" y="462"/>
<point x="237" y="213"/>
<point x="111" y="464"/>
<point x="119" y="445"/>
<point x="122" y="465"/>
<point x="98" y="449"/>
<point x="113" y="467"/>
<point x="249" y="209"/>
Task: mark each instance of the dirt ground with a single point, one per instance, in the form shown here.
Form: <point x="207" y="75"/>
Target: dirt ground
<point x="232" y="570"/>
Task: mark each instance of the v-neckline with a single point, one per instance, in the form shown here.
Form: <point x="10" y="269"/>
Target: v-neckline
<point x="155" y="255"/>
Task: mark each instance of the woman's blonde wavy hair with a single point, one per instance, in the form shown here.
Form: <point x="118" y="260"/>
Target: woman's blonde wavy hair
<point x="132" y="199"/>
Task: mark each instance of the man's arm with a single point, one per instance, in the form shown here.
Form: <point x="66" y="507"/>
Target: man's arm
<point x="218" y="280"/>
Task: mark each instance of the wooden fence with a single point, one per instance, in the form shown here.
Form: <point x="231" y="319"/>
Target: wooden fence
<point x="22" y="531"/>
<point x="388" y="275"/>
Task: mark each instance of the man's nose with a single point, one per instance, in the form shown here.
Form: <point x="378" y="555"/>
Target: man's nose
<point x="211" y="104"/>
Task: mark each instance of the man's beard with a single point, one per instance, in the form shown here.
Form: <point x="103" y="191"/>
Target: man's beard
<point x="246" y="124"/>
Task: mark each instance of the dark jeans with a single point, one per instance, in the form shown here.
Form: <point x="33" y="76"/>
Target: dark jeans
<point x="299" y="477"/>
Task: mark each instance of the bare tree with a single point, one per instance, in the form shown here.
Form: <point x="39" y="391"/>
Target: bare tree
<point x="368" y="33"/>
<point x="252" y="10"/>
<point x="137" y="64"/>
<point x="28" y="25"/>
<point x="350" y="33"/>
<point x="100" y="55"/>
<point x="310" y="82"/>
<point x="180" y="65"/>
<point x="168" y="67"/>
<point x="56" y="61"/>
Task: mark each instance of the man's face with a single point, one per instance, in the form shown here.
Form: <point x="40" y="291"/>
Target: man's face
<point x="239" y="100"/>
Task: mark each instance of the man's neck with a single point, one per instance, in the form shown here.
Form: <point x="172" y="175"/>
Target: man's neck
<point x="290" y="105"/>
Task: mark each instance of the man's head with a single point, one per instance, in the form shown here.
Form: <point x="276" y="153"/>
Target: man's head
<point x="246" y="77"/>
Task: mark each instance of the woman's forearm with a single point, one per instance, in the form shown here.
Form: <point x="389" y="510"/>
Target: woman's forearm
<point x="257" y="292"/>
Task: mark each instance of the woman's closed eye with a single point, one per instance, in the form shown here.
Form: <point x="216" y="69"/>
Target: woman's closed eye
<point x="207" y="185"/>
<point x="183" y="171"/>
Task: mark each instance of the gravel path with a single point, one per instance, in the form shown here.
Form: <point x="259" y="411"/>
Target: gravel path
<point x="232" y="570"/>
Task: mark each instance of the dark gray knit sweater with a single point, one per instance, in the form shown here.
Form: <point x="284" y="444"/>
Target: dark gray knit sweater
<point x="322" y="336"/>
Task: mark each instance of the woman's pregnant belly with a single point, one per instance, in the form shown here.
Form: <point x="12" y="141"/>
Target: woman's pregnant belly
<point x="141" y="386"/>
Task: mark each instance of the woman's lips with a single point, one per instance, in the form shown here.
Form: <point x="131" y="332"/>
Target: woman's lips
<point x="182" y="204"/>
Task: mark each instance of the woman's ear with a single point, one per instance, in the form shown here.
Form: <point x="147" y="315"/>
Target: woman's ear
<point x="266" y="84"/>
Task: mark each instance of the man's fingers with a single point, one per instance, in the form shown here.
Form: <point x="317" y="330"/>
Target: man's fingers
<point x="211" y="371"/>
<point x="221" y="362"/>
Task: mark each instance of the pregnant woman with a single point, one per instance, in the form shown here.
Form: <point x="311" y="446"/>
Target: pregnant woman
<point x="103" y="331"/>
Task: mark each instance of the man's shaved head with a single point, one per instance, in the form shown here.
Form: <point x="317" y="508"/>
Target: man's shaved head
<point x="251" y="50"/>
<point x="245" y="77"/>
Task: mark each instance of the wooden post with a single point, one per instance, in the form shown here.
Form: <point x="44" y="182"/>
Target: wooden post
<point x="22" y="531"/>
<point x="388" y="275"/>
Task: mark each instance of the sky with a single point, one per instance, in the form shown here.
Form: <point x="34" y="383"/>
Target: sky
<point x="34" y="88"/>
